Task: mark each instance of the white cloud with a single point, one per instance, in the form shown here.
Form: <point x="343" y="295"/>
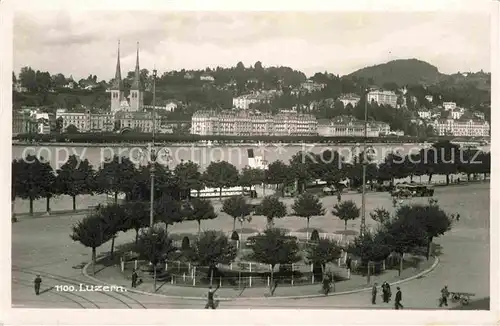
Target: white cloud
<point x="81" y="43"/>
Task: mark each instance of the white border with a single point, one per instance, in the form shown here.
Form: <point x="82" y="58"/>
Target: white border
<point x="231" y="317"/>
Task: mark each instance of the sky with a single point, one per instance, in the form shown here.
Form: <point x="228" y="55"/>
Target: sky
<point x="80" y="43"/>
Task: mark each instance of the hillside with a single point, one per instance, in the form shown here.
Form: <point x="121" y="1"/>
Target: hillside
<point x="401" y="72"/>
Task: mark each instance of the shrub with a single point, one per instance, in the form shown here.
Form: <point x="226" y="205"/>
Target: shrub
<point x="185" y="243"/>
<point x="315" y="235"/>
<point x="235" y="236"/>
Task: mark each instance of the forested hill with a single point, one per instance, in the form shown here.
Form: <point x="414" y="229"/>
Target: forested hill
<point x="401" y="72"/>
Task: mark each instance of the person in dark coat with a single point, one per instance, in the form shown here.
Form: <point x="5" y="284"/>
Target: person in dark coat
<point x="386" y="292"/>
<point x="374" y="293"/>
<point x="210" y="298"/>
<point x="398" y="299"/>
<point x="38" y="282"/>
<point x="458" y="217"/>
<point x="339" y="197"/>
<point x="134" y="278"/>
<point x="444" y="296"/>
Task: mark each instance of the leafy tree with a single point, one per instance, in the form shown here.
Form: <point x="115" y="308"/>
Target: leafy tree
<point x="236" y="207"/>
<point x="155" y="245"/>
<point x="117" y="175"/>
<point x="392" y="168"/>
<point x="114" y="216"/>
<point x="381" y="215"/>
<point x="32" y="178"/>
<point x="303" y="168"/>
<point x="369" y="248"/>
<point x="315" y="235"/>
<point x="322" y="252"/>
<point x="250" y="177"/>
<point x="332" y="169"/>
<point x="185" y="243"/>
<point x="404" y="235"/>
<point x="277" y="174"/>
<point x="307" y="206"/>
<point x="71" y="129"/>
<point x="271" y="207"/>
<point x="442" y="158"/>
<point x="212" y="248"/>
<point x="92" y="232"/>
<point x="188" y="176"/>
<point x="59" y="125"/>
<point x="168" y="211"/>
<point x="198" y="209"/>
<point x="432" y="218"/>
<point x="274" y="247"/>
<point x="75" y="177"/>
<point x="221" y="174"/>
<point x="136" y="216"/>
<point x="346" y="211"/>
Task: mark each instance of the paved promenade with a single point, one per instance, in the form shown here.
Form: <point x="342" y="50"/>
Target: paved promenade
<point x="42" y="245"/>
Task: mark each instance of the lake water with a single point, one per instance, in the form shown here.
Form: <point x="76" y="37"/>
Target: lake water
<point x="57" y="155"/>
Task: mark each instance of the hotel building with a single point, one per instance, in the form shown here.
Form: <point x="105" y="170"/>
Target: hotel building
<point x="467" y="128"/>
<point x="383" y="97"/>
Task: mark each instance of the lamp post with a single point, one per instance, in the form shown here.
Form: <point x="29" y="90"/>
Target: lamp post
<point x="362" y="228"/>
<point x="153" y="155"/>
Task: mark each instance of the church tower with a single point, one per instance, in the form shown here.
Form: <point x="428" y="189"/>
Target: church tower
<point x="117" y="92"/>
<point x="137" y="88"/>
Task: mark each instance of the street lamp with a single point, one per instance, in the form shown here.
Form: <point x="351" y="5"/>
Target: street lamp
<point x="153" y="154"/>
<point x="362" y="228"/>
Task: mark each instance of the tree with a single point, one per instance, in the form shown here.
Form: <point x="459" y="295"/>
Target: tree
<point x="250" y="177"/>
<point x="346" y="211"/>
<point x="322" y="252"/>
<point x="277" y="174"/>
<point x="307" y="206"/>
<point x="136" y="216"/>
<point x="381" y="215"/>
<point x="59" y="125"/>
<point x="117" y="175"/>
<point x="274" y="247"/>
<point x="442" y="158"/>
<point x="404" y="235"/>
<point x="71" y="129"/>
<point x="431" y="217"/>
<point x="188" y="176"/>
<point x="91" y="232"/>
<point x="236" y="207"/>
<point x="221" y="174"/>
<point x="369" y="248"/>
<point x="212" y="248"/>
<point x="32" y="178"/>
<point x="155" y="246"/>
<point x="75" y="177"/>
<point x="198" y="209"/>
<point x="168" y="211"/>
<point x="115" y="217"/>
<point x="271" y="207"/>
<point x="392" y="167"/>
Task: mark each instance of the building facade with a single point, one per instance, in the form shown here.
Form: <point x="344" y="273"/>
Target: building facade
<point x="449" y="106"/>
<point x="138" y="121"/>
<point x="383" y="97"/>
<point x="243" y="123"/>
<point x="23" y="123"/>
<point x="243" y="102"/>
<point x="87" y="121"/>
<point x="467" y="128"/>
<point x="346" y="126"/>
<point x="352" y="99"/>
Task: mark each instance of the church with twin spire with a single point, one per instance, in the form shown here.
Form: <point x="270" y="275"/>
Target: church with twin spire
<point x="134" y="102"/>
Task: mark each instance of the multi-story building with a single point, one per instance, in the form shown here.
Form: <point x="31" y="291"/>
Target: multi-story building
<point x="457" y="113"/>
<point x="87" y="121"/>
<point x="465" y="127"/>
<point x="207" y="78"/>
<point x="242" y="123"/>
<point x="383" y="97"/>
<point x="347" y="126"/>
<point x="139" y="121"/>
<point x="352" y="99"/>
<point x="449" y="106"/>
<point x="311" y="86"/>
<point x="424" y="114"/>
<point x="429" y="98"/>
<point x="243" y="102"/>
<point x="23" y="123"/>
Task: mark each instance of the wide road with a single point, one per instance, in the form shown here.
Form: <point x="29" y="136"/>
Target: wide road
<point x="42" y="246"/>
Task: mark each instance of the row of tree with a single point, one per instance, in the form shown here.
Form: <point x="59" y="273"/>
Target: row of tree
<point x="33" y="178"/>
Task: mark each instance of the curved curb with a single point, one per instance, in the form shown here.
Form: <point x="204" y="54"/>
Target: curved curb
<point x="411" y="278"/>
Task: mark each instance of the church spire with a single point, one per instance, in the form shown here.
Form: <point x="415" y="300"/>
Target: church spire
<point x="117" y="82"/>
<point x="137" y="85"/>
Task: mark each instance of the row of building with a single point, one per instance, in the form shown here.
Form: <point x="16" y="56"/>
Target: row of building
<point x="246" y="123"/>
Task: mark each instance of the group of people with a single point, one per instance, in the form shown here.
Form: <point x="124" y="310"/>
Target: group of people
<point x="386" y="295"/>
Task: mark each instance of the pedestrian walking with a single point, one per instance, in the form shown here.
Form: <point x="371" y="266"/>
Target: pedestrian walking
<point x="458" y="217"/>
<point x="38" y="282"/>
<point x="339" y="197"/>
<point x="134" y="278"/>
<point x="386" y="292"/>
<point x="326" y="285"/>
<point x="398" y="299"/>
<point x="374" y="293"/>
<point x="210" y="298"/>
<point x="444" y="296"/>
